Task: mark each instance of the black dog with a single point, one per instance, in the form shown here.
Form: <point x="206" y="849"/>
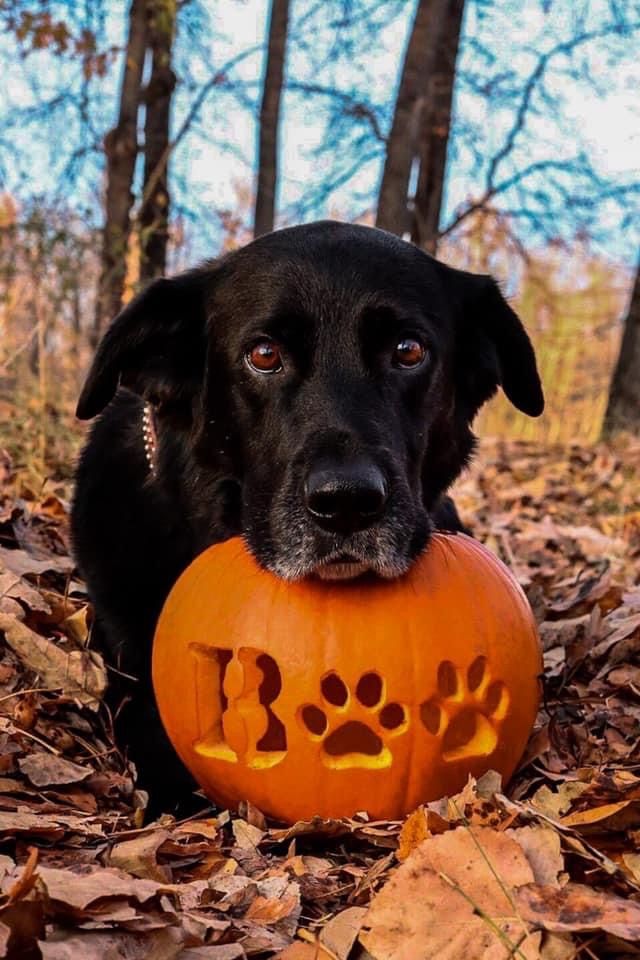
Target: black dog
<point x="314" y="392"/>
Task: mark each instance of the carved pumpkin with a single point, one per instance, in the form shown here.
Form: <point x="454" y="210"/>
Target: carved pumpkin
<point x="328" y="698"/>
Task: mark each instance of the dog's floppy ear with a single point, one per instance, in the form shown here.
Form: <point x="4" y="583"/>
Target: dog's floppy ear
<point x="494" y="350"/>
<point x="155" y="346"/>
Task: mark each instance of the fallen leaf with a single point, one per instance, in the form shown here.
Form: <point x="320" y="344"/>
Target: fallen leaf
<point x="414" y="831"/>
<point x="156" y="945"/>
<point x="78" y="890"/>
<point x="612" y="816"/>
<point x="451" y="898"/>
<point x="202" y="828"/>
<point x="21" y="563"/>
<point x="309" y="828"/>
<point x="222" y="951"/>
<point x="632" y="863"/>
<point x="555" y="802"/>
<point x="139" y="856"/>
<point x="47" y="769"/>
<point x="557" y="946"/>
<point x="76" y="626"/>
<point x="270" y="910"/>
<point x="23" y="821"/>
<point x="78" y="673"/>
<point x="26" y="881"/>
<point x="341" y="932"/>
<point x="13" y="587"/>
<point x="541" y="846"/>
<point x="302" y="951"/>
<point x="578" y="908"/>
<point x="247" y="836"/>
<point x="252" y="815"/>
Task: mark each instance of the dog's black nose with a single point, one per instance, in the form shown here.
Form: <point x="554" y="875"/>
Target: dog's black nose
<point x="346" y="497"/>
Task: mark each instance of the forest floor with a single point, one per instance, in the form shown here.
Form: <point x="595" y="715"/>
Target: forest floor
<point x="548" y="866"/>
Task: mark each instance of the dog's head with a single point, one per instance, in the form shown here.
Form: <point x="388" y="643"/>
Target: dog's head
<point x="331" y="373"/>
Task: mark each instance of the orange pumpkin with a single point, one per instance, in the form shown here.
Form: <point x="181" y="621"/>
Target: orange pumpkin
<point x="328" y="698"/>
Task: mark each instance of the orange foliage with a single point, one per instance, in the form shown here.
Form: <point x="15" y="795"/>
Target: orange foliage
<point x="571" y="302"/>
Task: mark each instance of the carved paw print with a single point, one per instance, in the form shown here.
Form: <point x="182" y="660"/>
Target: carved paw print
<point x="467" y="711"/>
<point x="353" y="727"/>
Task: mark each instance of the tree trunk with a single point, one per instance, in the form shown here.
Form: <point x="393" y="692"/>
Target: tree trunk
<point x="269" y="113"/>
<point x="623" y="408"/>
<point x="434" y="138"/>
<point x="121" y="149"/>
<point x="154" y="211"/>
<point x="393" y="213"/>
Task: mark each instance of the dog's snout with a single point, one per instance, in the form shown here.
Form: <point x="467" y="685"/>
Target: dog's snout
<point x="347" y="497"/>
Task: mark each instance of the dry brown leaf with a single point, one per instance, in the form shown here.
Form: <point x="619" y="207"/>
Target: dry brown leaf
<point x="24" y="821"/>
<point x="623" y="628"/>
<point x="139" y="856"/>
<point x="612" y="816"/>
<point x="557" y="946"/>
<point x="209" y="828"/>
<point x="278" y="903"/>
<point x="260" y="938"/>
<point x="221" y="951"/>
<point x="341" y="932"/>
<point x="15" y="588"/>
<point x="452" y="897"/>
<point x="303" y="865"/>
<point x="7" y="866"/>
<point x="52" y="506"/>
<point x="78" y="673"/>
<point x="47" y="769"/>
<point x="553" y="803"/>
<point x="302" y="951"/>
<point x="247" y="836"/>
<point x="414" y="830"/>
<point x="541" y="846"/>
<point x="77" y="627"/>
<point x="156" y="945"/>
<point x="270" y="910"/>
<point x="632" y="863"/>
<point x="314" y="827"/>
<point x="21" y="563"/>
<point x="252" y="815"/>
<point x="578" y="908"/>
<point x="235" y="891"/>
<point x="26" y="881"/>
<point x="79" y="889"/>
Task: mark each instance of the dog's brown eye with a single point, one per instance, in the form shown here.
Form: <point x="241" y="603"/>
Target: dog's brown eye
<point x="264" y="357"/>
<point x="409" y="353"/>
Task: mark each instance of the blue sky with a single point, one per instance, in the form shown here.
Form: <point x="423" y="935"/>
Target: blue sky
<point x="595" y="112"/>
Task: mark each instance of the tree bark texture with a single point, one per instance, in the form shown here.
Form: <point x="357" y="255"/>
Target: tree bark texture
<point x="434" y="135"/>
<point x="623" y="407"/>
<point x="402" y="144"/>
<point x="121" y="150"/>
<point x="154" y="210"/>
<point x="269" y="116"/>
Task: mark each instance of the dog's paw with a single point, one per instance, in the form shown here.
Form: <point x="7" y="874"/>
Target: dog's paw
<point x="467" y="711"/>
<point x="354" y="727"/>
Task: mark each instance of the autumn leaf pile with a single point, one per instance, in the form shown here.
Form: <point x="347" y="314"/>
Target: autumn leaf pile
<point x="547" y="866"/>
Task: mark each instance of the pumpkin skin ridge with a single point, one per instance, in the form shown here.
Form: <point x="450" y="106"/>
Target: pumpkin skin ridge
<point x="317" y="646"/>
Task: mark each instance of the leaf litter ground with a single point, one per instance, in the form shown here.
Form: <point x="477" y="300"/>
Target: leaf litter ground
<point x="547" y="866"/>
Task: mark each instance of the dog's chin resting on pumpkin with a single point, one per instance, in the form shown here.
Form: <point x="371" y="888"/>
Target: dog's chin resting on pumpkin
<point x="312" y="392"/>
